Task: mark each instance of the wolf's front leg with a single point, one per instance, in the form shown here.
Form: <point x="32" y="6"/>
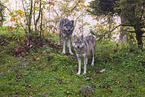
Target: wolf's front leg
<point x="85" y="64"/>
<point x="93" y="54"/>
<point x="63" y="46"/>
<point x="69" y="45"/>
<point x="79" y="61"/>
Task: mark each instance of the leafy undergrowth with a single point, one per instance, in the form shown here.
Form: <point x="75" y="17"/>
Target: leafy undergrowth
<point x="43" y="71"/>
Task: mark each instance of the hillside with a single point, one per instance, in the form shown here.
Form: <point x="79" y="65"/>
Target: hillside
<point x="41" y="70"/>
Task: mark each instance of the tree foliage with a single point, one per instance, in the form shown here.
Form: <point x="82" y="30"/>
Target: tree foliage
<point x="103" y="7"/>
<point x="72" y="9"/>
<point x="131" y="10"/>
<point x="34" y="18"/>
<point x="2" y="7"/>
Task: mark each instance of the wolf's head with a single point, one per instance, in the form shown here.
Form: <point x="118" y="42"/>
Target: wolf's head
<point x="69" y="26"/>
<point x="78" y="42"/>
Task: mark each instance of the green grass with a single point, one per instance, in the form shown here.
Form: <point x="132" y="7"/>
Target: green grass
<point x="48" y="73"/>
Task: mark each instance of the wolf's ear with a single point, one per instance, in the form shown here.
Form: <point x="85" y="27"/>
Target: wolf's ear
<point x="72" y="21"/>
<point x="75" y="36"/>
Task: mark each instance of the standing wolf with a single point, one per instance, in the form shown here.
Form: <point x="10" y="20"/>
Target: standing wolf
<point x="66" y="30"/>
<point x="82" y="48"/>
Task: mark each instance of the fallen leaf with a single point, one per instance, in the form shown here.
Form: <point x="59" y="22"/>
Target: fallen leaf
<point x="43" y="66"/>
<point x="16" y="92"/>
<point x="44" y="46"/>
<point x="46" y="95"/>
<point x="26" y="81"/>
<point x="31" y="45"/>
<point x="21" y="58"/>
<point x="28" y="85"/>
<point x="17" y="79"/>
<point x="60" y="81"/>
<point x="129" y="81"/>
<point x="87" y="78"/>
<point x="102" y="70"/>
<point x="107" y="86"/>
<point x="93" y="86"/>
<point x="71" y="73"/>
<point x="17" y="70"/>
<point x="109" y="90"/>
<point x="25" y="73"/>
<point x="97" y="71"/>
<point x="103" y="55"/>
<point x="2" y="42"/>
<point x="102" y="86"/>
<point x="44" y="71"/>
<point x="140" y="69"/>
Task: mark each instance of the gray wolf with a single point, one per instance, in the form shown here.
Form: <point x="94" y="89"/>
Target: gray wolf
<point x="82" y="47"/>
<point x="66" y="29"/>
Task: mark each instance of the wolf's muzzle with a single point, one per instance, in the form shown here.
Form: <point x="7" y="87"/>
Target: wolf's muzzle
<point x="78" y="47"/>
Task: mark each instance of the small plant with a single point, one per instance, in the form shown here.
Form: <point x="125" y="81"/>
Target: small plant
<point x="86" y="91"/>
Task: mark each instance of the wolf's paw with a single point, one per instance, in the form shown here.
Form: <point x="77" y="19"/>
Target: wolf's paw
<point x="78" y="73"/>
<point x="92" y="64"/>
<point x="59" y="43"/>
<point x="63" y="52"/>
<point x="71" y="53"/>
<point x="84" y="73"/>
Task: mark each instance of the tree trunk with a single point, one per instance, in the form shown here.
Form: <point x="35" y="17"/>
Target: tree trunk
<point x="30" y="17"/>
<point x="139" y="34"/>
<point x="109" y="22"/>
<point x="123" y="30"/>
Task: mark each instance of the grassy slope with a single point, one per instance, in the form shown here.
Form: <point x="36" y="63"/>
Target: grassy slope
<point x="50" y="73"/>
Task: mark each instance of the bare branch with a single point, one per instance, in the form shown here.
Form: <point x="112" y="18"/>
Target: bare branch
<point x="8" y="9"/>
<point x="25" y="11"/>
<point x="41" y="21"/>
<point x="39" y="14"/>
<point x="75" y="6"/>
<point x="30" y="17"/>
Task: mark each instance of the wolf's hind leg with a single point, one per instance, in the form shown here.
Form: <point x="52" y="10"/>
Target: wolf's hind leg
<point x="93" y="54"/>
<point x="85" y="64"/>
<point x="69" y="45"/>
<point x="79" y="61"/>
<point x="63" y="46"/>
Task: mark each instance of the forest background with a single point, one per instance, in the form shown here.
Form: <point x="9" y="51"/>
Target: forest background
<point x="31" y="62"/>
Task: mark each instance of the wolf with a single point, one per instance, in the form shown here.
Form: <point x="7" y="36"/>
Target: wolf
<point x="66" y="29"/>
<point x="82" y="47"/>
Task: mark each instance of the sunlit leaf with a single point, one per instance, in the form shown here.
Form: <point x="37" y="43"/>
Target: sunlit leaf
<point x="10" y="28"/>
<point x="37" y="1"/>
<point x="13" y="19"/>
<point x="51" y="3"/>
